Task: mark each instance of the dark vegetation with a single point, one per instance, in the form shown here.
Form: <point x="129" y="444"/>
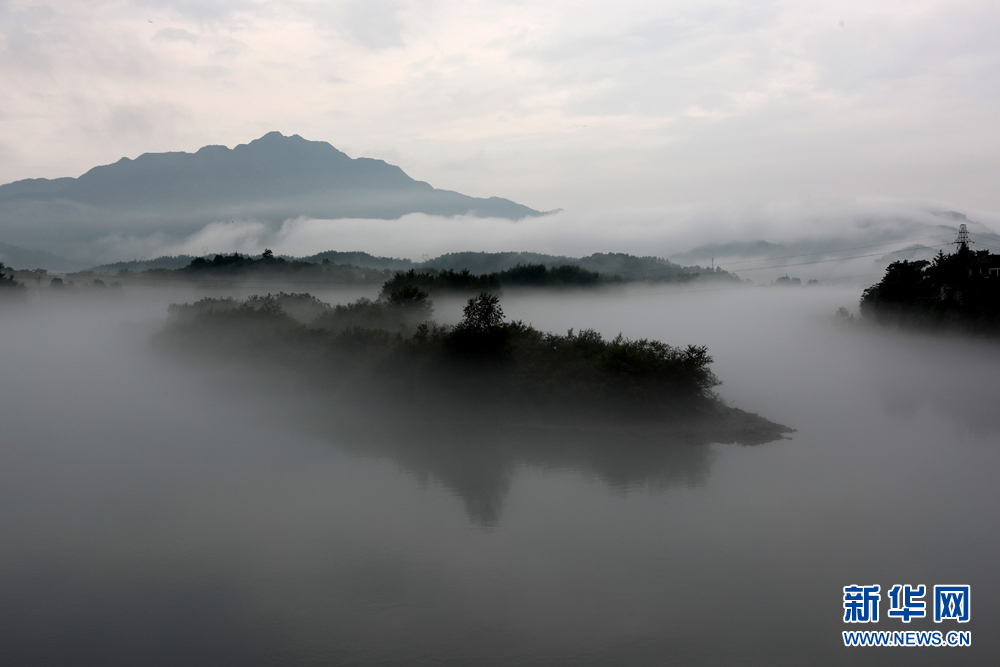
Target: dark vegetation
<point x="324" y="268"/>
<point x="237" y="264"/>
<point x="7" y="281"/>
<point x="27" y="277"/>
<point x="627" y="267"/>
<point x="530" y="275"/>
<point x="960" y="292"/>
<point x="40" y="278"/>
<point x="471" y="271"/>
<point x="388" y="352"/>
<point x="238" y="267"/>
<point x="162" y="262"/>
<point x="362" y="259"/>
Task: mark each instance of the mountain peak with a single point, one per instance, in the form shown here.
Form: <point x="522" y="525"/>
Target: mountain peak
<point x="274" y="138"/>
<point x="271" y="179"/>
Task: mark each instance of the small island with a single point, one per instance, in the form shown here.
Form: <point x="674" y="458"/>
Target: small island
<point x="390" y="354"/>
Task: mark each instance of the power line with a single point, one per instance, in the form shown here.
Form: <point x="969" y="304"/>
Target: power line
<point x="677" y="290"/>
<point x="979" y="243"/>
<point x="808" y="254"/>
<point x="236" y="281"/>
<point x="214" y="282"/>
<point x="837" y="259"/>
<point x="827" y="252"/>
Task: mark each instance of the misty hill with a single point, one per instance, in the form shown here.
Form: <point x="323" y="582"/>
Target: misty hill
<point x="273" y="178"/>
<point x="734" y="249"/>
<point x="358" y="258"/>
<point x="23" y="258"/>
<point x="235" y="268"/>
<point x="628" y="267"/>
<point x="164" y="262"/>
<point x="522" y="275"/>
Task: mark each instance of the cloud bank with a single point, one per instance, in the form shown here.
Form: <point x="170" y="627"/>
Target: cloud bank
<point x="580" y="105"/>
<point x="661" y="232"/>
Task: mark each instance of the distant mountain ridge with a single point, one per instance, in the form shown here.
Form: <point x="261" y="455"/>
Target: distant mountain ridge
<point x="270" y="179"/>
<point x="23" y="258"/>
<point x="269" y="168"/>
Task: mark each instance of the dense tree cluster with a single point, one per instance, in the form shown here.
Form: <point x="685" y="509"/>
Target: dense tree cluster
<point x="7" y="281"/>
<point x="957" y="291"/>
<point x="240" y="261"/>
<point x="527" y="275"/>
<point x="390" y="347"/>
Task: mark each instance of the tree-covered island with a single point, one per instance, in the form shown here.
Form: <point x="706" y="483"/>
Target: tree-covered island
<point x="389" y="353"/>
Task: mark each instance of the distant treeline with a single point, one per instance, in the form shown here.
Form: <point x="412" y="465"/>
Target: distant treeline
<point x="595" y="270"/>
<point x="40" y="278"/>
<point x="626" y="267"/>
<point x="358" y="258"/>
<point x="237" y="263"/>
<point x="960" y="291"/>
<point x="531" y="275"/>
<point x="163" y="262"/>
<point x="8" y="282"/>
<point x="242" y="267"/>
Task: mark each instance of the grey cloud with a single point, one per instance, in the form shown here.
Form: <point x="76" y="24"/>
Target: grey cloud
<point x="662" y="66"/>
<point x="33" y="14"/>
<point x="129" y="119"/>
<point x="22" y="33"/>
<point x="200" y="9"/>
<point x="952" y="49"/>
<point x="375" y="23"/>
<point x="212" y="71"/>
<point x="176" y="35"/>
<point x="140" y="120"/>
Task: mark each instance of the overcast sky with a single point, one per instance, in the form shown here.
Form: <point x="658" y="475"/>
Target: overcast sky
<point x="583" y="105"/>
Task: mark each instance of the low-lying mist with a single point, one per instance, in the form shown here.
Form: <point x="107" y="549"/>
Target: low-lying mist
<point x="228" y="515"/>
<point x="801" y="227"/>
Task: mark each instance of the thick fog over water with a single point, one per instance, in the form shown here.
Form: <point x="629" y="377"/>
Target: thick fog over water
<point x="162" y="510"/>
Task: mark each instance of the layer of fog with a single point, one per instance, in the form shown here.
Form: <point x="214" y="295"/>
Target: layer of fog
<point x="197" y="509"/>
<point x="880" y="229"/>
<point x="73" y="352"/>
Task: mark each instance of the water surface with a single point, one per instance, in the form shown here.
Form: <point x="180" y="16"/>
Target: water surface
<point x="163" y="513"/>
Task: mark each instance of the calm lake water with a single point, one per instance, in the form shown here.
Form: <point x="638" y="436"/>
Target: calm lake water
<point x="162" y="513"/>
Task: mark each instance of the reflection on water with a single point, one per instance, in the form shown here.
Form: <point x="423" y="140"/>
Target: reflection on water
<point x="477" y="462"/>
